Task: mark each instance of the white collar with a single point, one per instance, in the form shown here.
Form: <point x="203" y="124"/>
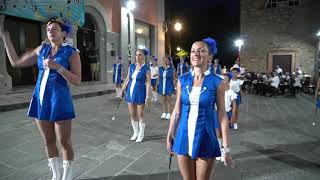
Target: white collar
<point x="207" y="72"/>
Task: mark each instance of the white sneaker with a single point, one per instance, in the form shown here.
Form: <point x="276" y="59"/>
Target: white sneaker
<point x="235" y="126"/>
<point x="163" y="116"/>
<point x="168" y="116"/>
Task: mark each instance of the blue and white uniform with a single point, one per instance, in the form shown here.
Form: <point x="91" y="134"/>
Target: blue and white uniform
<point x="51" y="98"/>
<point x="117" y="73"/>
<point x="196" y="129"/>
<point x="154" y="75"/>
<point x="235" y="85"/>
<point x="229" y="96"/>
<point x="136" y="89"/>
<point x="215" y="70"/>
<point x="166" y="85"/>
<point x="182" y="68"/>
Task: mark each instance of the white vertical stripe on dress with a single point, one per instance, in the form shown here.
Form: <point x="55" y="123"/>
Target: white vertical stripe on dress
<point x="43" y="83"/>
<point x="194" y="98"/>
<point x="116" y="75"/>
<point x="133" y="83"/>
<point x="164" y="81"/>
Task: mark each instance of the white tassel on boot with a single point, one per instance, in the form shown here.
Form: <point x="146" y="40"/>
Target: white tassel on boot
<point x="135" y="126"/>
<point x="67" y="170"/>
<point x="55" y="168"/>
<point x="142" y="126"/>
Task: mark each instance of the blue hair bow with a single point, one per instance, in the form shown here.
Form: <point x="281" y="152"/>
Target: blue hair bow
<point x="145" y="51"/>
<point x="212" y="45"/>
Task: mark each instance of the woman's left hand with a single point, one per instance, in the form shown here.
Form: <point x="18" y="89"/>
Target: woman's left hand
<point x="228" y="160"/>
<point x="51" y="64"/>
<point x="147" y="102"/>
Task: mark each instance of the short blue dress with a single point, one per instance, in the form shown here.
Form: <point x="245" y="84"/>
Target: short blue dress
<point x="136" y="89"/>
<point x="117" y="73"/>
<point x="166" y="85"/>
<point x="51" y="99"/>
<point x="205" y="143"/>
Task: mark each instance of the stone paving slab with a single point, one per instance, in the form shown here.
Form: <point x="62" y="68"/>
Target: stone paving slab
<point x="17" y="99"/>
<point x="275" y="141"/>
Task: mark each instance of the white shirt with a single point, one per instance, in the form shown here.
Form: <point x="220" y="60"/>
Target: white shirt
<point x="229" y="96"/>
<point x="154" y="72"/>
<point x="279" y="70"/>
<point x="297" y="81"/>
<point x="275" y="81"/>
<point x="235" y="85"/>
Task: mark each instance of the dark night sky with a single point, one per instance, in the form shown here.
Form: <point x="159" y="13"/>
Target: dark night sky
<point x="218" y="19"/>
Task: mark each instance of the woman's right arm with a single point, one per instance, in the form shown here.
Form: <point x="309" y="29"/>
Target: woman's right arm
<point x="27" y="59"/>
<point x="174" y="120"/>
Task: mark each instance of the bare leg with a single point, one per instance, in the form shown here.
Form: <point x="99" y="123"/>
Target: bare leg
<point x="46" y="129"/>
<point x="140" y="111"/>
<point x="204" y="168"/>
<point x="133" y="111"/>
<point x="187" y="167"/>
<point x="63" y="131"/>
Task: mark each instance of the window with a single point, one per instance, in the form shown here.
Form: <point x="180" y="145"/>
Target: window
<point x="282" y="3"/>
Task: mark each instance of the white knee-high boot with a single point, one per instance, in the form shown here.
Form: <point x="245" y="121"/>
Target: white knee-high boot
<point x="117" y="92"/>
<point x="155" y="96"/>
<point x="67" y="170"/>
<point x="135" y="126"/>
<point x="142" y="126"/>
<point x="55" y="168"/>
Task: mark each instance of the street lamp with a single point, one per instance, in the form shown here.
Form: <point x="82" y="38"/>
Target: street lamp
<point x="178" y="48"/>
<point x="131" y="5"/>
<point x="318" y="34"/>
<point x="238" y="43"/>
<point x="178" y="26"/>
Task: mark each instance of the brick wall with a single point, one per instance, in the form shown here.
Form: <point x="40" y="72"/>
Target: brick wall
<point x="279" y="29"/>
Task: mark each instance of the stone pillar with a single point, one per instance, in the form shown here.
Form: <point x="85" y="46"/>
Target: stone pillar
<point x="5" y="78"/>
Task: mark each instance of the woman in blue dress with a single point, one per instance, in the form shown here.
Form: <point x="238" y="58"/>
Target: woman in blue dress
<point x="166" y="86"/>
<point x="182" y="67"/>
<point x="137" y="87"/>
<point x="117" y="76"/>
<point x="51" y="104"/>
<point x="192" y="124"/>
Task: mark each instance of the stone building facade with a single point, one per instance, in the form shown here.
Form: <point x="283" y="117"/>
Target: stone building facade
<point x="280" y="32"/>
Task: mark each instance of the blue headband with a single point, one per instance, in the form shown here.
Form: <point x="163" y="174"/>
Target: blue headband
<point x="212" y="45"/>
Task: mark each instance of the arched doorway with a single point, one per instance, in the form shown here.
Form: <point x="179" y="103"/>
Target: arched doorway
<point x="89" y="49"/>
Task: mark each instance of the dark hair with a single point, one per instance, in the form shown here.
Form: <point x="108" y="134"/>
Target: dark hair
<point x="145" y="51"/>
<point x="64" y="26"/>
